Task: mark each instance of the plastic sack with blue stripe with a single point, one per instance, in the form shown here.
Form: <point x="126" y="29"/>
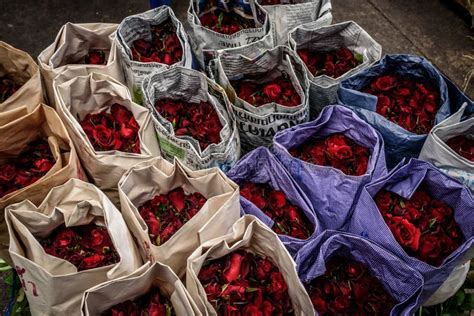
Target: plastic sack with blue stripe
<point x="399" y="280"/>
<point x="260" y="166"/>
<point x="399" y="142"/>
<point x="331" y="191"/>
<point x="443" y="280"/>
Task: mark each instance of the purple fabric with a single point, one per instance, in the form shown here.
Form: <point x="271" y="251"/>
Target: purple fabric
<point x="399" y="279"/>
<point x="260" y="166"/>
<point x="330" y="191"/>
<point x="404" y="180"/>
<point x="399" y="143"/>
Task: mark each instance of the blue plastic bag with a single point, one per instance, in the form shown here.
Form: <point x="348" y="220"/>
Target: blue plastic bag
<point x="330" y="191"/>
<point x="404" y="180"/>
<point x="402" y="282"/>
<point x="399" y="143"/>
<point x="260" y="166"/>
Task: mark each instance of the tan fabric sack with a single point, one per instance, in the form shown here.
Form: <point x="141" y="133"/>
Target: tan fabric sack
<point x="17" y="129"/>
<point x="216" y="217"/>
<point x="52" y="285"/>
<point x="252" y="235"/>
<point x="103" y="296"/>
<point x="21" y="68"/>
<point x="72" y="43"/>
<point x="91" y="94"/>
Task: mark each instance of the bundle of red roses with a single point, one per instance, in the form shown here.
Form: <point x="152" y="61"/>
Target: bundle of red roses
<point x="337" y="151"/>
<point x="243" y="283"/>
<point x="463" y="146"/>
<point x="423" y="226"/>
<point x="95" y="57"/>
<point x="347" y="288"/>
<point x="114" y="130"/>
<point x="86" y="246"/>
<point x="280" y="90"/>
<point x="225" y="22"/>
<point x="332" y="63"/>
<point x="407" y="101"/>
<point x="34" y="161"/>
<point x="7" y="88"/>
<point x="165" y="214"/>
<point x="197" y="120"/>
<point x="288" y="218"/>
<point x="152" y="303"/>
<point x="164" y="46"/>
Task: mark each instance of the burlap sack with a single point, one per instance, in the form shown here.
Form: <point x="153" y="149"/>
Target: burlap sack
<point x="208" y="44"/>
<point x="103" y="296"/>
<point x="17" y="129"/>
<point x="72" y="43"/>
<point x="323" y="89"/>
<point x="22" y="69"/>
<point x="192" y="86"/>
<point x="136" y="27"/>
<point x="53" y="286"/>
<point x="91" y="94"/>
<point x="252" y="235"/>
<point x="144" y="181"/>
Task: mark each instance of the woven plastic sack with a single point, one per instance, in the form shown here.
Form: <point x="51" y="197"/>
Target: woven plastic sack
<point x="260" y="166"/>
<point x="401" y="281"/>
<point x="208" y="44"/>
<point x="102" y="297"/>
<point x="252" y="235"/>
<point x="404" y="181"/>
<point x="258" y="125"/>
<point x="192" y="86"/>
<point x="323" y="89"/>
<point x="71" y="45"/>
<point x="399" y="143"/>
<point x="138" y="26"/>
<point x="331" y="192"/>
<point x="52" y="285"/>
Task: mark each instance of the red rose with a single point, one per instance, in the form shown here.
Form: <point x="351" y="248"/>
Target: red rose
<point x="246" y="90"/>
<point x="384" y="83"/>
<point x="337" y="147"/>
<point x="104" y="137"/>
<point x="440" y="211"/>
<point x="208" y="273"/>
<point x="278" y="285"/>
<point x="213" y="290"/>
<point x="42" y="165"/>
<point x="354" y="269"/>
<point x="232" y="270"/>
<point x="252" y="310"/>
<point x="272" y="91"/>
<point x="319" y="304"/>
<point x="405" y="232"/>
<point x="142" y="47"/>
<point x="96" y="57"/>
<point x="317" y="154"/>
<point x="344" y="54"/>
<point x="7" y="172"/>
<point x="65" y="238"/>
<point x="277" y="199"/>
<point x="92" y="262"/>
<point x="340" y="304"/>
<point x="430" y="248"/>
<point x="177" y="198"/>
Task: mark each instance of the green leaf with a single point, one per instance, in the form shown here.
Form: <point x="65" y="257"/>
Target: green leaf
<point x="432" y="222"/>
<point x="168" y="310"/>
<point x="359" y="58"/>
<point x="220" y="19"/>
<point x="402" y="204"/>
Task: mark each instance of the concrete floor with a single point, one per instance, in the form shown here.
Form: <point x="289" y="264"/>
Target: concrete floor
<point x="424" y="27"/>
